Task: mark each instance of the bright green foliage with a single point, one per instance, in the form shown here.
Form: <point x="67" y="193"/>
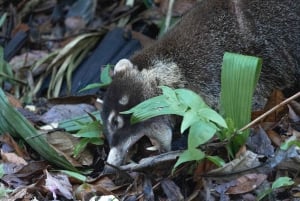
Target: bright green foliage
<point x="88" y="127"/>
<point x="202" y="120"/>
<point x="290" y="142"/>
<point x="105" y="79"/>
<point x="278" y="183"/>
<point x="90" y="133"/>
<point x="238" y="80"/>
<point x="12" y="122"/>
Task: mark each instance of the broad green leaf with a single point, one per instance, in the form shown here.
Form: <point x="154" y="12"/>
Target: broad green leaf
<point x="282" y="181"/>
<point x="216" y="160"/>
<point x="12" y="122"/>
<point x="213" y="116"/>
<point x="190" y="98"/>
<point x="90" y="130"/>
<point x="200" y="133"/>
<point x="154" y="107"/>
<point x="238" y="80"/>
<point x="190" y="155"/>
<point x="189" y="118"/>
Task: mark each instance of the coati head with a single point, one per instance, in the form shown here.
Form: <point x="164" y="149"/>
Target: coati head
<point x="129" y="87"/>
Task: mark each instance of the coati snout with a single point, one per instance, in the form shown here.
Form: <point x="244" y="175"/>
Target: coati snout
<point x="127" y="90"/>
<point x="190" y="56"/>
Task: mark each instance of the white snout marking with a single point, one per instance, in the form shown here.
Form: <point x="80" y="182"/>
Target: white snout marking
<point x="114" y="157"/>
<point x="115" y="122"/>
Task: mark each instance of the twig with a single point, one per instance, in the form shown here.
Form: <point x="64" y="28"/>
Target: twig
<point x="270" y="111"/>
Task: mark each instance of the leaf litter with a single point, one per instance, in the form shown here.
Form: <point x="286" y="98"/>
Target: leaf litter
<point x="28" y="176"/>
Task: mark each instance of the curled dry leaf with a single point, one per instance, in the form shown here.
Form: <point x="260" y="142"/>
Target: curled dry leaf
<point x="64" y="143"/>
<point x="247" y="183"/>
<point x="13" y="158"/>
<point x="244" y="162"/>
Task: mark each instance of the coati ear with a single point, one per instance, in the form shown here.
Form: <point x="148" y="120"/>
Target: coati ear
<point x="122" y="65"/>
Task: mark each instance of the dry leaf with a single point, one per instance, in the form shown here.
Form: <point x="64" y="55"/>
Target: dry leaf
<point x="247" y="183"/>
<point x="13" y="158"/>
<point x="58" y="184"/>
<point x="64" y="143"/>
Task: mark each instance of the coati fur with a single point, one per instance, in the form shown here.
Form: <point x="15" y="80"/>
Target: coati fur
<point x="190" y="56"/>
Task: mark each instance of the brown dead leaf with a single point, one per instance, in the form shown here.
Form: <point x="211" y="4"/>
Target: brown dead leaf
<point x="274" y="137"/>
<point x="13" y="158"/>
<point x="203" y="167"/>
<point x="13" y="101"/>
<point x="275" y="98"/>
<point x="247" y="183"/>
<point x="64" y="143"/>
<point x="245" y="162"/>
<point x="12" y="143"/>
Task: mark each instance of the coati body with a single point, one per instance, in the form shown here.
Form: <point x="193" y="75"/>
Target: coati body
<point x="190" y="56"/>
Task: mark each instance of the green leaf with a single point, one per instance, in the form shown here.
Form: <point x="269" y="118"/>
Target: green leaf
<point x="238" y="80"/>
<point x="290" y="142"/>
<point x="105" y="75"/>
<point x="12" y="122"/>
<point x="75" y="175"/>
<point x="278" y="183"/>
<point x="281" y="182"/>
<point x="190" y="98"/>
<point x="154" y="107"/>
<point x="80" y="146"/>
<point x="200" y="133"/>
<point x="90" y="130"/>
<point x="189" y="155"/>
<point x="216" y="160"/>
<point x="189" y="118"/>
<point x="213" y="116"/>
<point x="76" y="123"/>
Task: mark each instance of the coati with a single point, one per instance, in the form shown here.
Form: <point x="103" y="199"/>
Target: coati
<point x="190" y="56"/>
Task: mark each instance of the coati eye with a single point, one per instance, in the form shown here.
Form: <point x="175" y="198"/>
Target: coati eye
<point x="115" y="121"/>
